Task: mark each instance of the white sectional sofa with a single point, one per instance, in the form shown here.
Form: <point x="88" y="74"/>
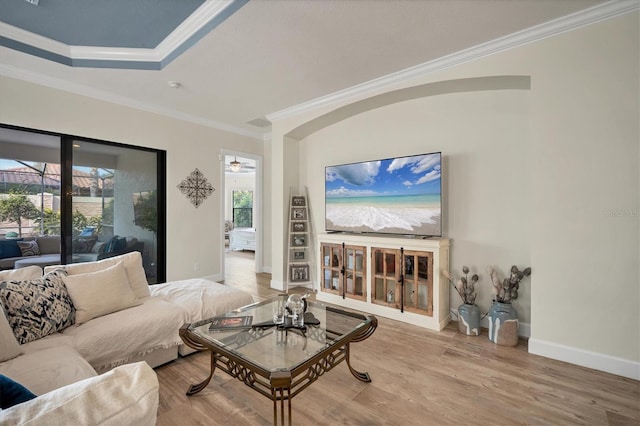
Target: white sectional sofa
<point x="119" y="319"/>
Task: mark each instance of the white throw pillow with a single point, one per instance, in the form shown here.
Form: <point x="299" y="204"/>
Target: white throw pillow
<point x="100" y="293"/>
<point x="9" y="346"/>
<point x="126" y="395"/>
<point x="22" y="274"/>
<point x="132" y="263"/>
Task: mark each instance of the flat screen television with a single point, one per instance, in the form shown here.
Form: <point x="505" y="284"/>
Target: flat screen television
<point x="399" y="195"/>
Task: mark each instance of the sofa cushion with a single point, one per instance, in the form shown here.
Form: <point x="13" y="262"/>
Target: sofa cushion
<point x="49" y="245"/>
<point x="138" y="330"/>
<point x="9" y="347"/>
<point x="29" y="248"/>
<point x="41" y="261"/>
<point x="38" y="307"/>
<point x="116" y="243"/>
<point x="202" y="298"/>
<point x="26" y="273"/>
<point x="98" y="247"/>
<point x="120" y="244"/>
<point x="51" y="341"/>
<point x="45" y="370"/>
<point x="8" y="262"/>
<point x="12" y="393"/>
<point x="83" y="245"/>
<point x="100" y="293"/>
<point x="130" y="242"/>
<point x="132" y="263"/>
<point x="9" y="248"/>
<point x="126" y="395"/>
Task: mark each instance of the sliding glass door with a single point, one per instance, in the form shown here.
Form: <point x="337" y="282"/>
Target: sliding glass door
<point x="99" y="199"/>
<point x="114" y="203"/>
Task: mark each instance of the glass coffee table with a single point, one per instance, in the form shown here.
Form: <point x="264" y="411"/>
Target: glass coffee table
<point x="279" y="361"/>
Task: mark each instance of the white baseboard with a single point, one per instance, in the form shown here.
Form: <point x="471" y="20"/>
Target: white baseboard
<point x="216" y="278"/>
<point x="524" y="329"/>
<point x="597" y="361"/>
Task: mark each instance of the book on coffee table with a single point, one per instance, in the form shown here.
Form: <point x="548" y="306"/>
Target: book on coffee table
<point x="228" y="323"/>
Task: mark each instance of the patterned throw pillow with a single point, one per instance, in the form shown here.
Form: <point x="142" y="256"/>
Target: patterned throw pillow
<point x="9" y="347"/>
<point x="83" y="245"/>
<point x="37" y="308"/>
<point x="29" y="248"/>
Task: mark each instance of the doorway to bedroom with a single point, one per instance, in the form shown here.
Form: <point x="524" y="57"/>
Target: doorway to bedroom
<point x="241" y="213"/>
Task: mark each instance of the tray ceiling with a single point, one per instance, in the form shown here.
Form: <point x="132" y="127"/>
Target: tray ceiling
<point x="242" y="61"/>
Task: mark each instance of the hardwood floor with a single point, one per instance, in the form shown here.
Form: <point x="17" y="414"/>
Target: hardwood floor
<point x="419" y="377"/>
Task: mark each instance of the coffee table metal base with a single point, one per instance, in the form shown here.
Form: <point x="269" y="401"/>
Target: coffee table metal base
<point x="279" y="386"/>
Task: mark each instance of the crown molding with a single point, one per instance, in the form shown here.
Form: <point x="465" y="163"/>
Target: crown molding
<point x="67" y="86"/>
<point x="570" y="22"/>
<point x="210" y="14"/>
<point x="207" y="12"/>
<point x="25" y="37"/>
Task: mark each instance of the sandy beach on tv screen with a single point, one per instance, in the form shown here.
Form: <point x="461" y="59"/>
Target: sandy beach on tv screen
<point x="394" y="220"/>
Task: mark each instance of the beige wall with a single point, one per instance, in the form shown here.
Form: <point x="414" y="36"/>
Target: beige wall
<point x="546" y="177"/>
<point x="586" y="194"/>
<point x="193" y="234"/>
<point x="484" y="204"/>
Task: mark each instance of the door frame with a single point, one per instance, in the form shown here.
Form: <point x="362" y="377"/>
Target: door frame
<point x="257" y="206"/>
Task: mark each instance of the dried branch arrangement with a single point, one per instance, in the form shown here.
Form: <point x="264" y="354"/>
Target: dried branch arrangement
<point x="507" y="290"/>
<point x="463" y="285"/>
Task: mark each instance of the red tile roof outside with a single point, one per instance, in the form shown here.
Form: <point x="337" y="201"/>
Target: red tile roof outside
<point x="27" y="176"/>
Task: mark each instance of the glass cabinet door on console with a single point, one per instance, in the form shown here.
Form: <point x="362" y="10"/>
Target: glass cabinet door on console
<point x="386" y="275"/>
<point x="418" y="282"/>
<point x="343" y="270"/>
<point x="390" y="267"/>
<point x="331" y="266"/>
<point x="401" y="277"/>
<point x="354" y="272"/>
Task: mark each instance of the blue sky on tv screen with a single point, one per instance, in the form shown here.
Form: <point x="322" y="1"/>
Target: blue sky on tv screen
<point x="414" y="175"/>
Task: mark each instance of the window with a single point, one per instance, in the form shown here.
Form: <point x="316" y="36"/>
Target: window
<point x="243" y="209"/>
<point x="29" y="184"/>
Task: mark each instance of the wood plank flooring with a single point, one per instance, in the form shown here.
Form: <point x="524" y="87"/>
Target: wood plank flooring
<point x="419" y="377"/>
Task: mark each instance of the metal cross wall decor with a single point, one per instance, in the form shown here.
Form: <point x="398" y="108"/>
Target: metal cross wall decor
<point x="196" y="187"/>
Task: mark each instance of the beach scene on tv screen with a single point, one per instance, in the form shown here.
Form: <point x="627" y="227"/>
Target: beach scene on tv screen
<point x="395" y="196"/>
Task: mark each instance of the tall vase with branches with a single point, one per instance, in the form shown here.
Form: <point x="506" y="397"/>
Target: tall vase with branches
<point x="503" y="316"/>
<point x="468" y="311"/>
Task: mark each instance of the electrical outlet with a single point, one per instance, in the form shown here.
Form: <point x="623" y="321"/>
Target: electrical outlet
<point x="196" y="266"/>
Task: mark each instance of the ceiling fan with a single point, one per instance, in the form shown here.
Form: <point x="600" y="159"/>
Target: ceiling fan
<point x="242" y="166"/>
